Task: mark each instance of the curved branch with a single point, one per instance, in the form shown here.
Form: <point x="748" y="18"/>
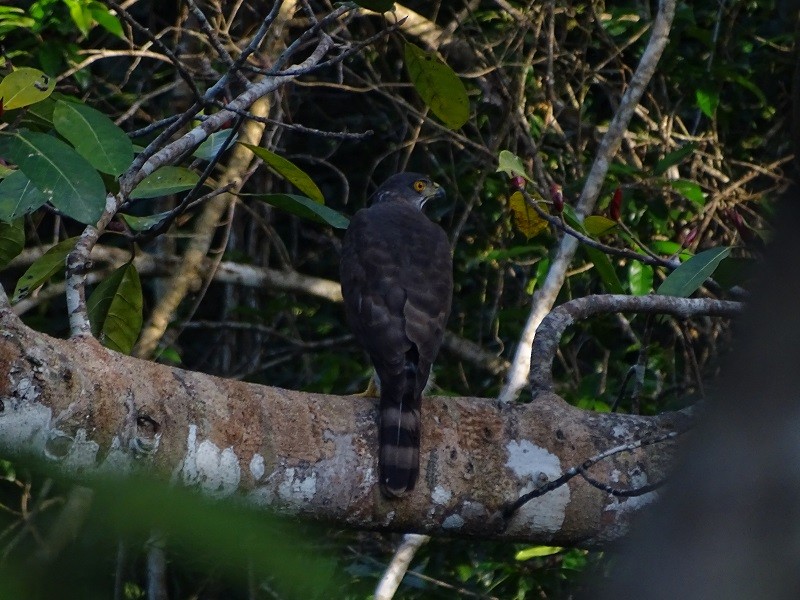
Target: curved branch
<point x="554" y="324"/>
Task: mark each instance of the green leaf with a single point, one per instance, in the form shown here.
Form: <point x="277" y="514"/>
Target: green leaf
<point x="511" y="164"/>
<point x="25" y="86"/>
<point x="43" y="268"/>
<point x="438" y="86"/>
<point x="537" y="551"/>
<point x="165" y="181"/>
<point x="213" y="143"/>
<point x="306" y="208"/>
<point x="376" y="5"/>
<point x="605" y="269"/>
<point x="707" y="101"/>
<point x="685" y="280"/>
<point x="115" y="309"/>
<point x="80" y="14"/>
<point x="689" y="190"/>
<point x="67" y="180"/>
<point x="106" y="19"/>
<point x="597" y="225"/>
<point x="289" y="171"/>
<point x="640" y="278"/>
<point x="673" y="158"/>
<point x="18" y="196"/>
<point x="12" y="241"/>
<point x="94" y="136"/>
<point x="144" y="223"/>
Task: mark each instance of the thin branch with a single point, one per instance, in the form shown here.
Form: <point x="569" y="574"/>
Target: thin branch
<point x="394" y="573"/>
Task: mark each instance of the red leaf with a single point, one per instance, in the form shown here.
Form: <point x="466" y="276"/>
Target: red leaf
<point x="615" y="208"/>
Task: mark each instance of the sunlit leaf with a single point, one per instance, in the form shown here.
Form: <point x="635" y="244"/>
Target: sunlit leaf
<point x="25" y="86"/>
<point x="688" y="277"/>
<point x="165" y="181"/>
<point x="306" y="208"/>
<point x="597" y="225"/>
<point x="289" y="171"/>
<point x="12" y="241"/>
<point x="640" y="278"/>
<point x="43" y="268"/>
<point x="438" y="86"/>
<point x="65" y="178"/>
<point x="94" y="136"/>
<point x="526" y="219"/>
<point x="115" y="309"/>
<point x="511" y="164"/>
<point x="537" y="551"/>
<point x="18" y="196"/>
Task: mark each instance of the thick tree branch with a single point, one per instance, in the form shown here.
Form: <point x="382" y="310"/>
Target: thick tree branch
<point x="91" y="410"/>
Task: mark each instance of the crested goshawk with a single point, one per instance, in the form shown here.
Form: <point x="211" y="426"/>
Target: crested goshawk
<point x="397" y="283"/>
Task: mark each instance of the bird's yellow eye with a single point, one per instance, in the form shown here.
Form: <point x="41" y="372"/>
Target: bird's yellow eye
<point x="419" y="185"/>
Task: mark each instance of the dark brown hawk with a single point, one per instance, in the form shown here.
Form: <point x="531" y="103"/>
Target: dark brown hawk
<point x="397" y="283"/>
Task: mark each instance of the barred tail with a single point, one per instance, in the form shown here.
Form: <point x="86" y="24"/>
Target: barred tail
<point x="398" y="457"/>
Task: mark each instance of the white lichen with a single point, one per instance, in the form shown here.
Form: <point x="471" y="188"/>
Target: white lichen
<point x="546" y="513"/>
<point x="440" y="495"/>
<point x="216" y="472"/>
<point x="453" y="522"/>
<point x="257" y="466"/>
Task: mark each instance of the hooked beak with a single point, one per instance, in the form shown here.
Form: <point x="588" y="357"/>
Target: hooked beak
<point x="436" y="192"/>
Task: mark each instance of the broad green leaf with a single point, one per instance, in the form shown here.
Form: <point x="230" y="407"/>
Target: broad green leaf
<point x="94" y="136"/>
<point x="689" y="190"/>
<point x="115" y="309"/>
<point x="707" y="101"/>
<point x="376" y="5"/>
<point x="213" y="143"/>
<point x="25" y="86"/>
<point x="511" y="164"/>
<point x="597" y="225"/>
<point x="670" y="248"/>
<point x="18" y="196"/>
<point x="605" y="269"/>
<point x="66" y="179"/>
<point x="526" y="219"/>
<point x="106" y="19"/>
<point x="685" y="280"/>
<point x="6" y="171"/>
<point x="12" y="241"/>
<point x="673" y="158"/>
<point x="305" y="208"/>
<point x="143" y="223"/>
<point x="438" y="86"/>
<point x="289" y="171"/>
<point x="537" y="551"/>
<point x="640" y="278"/>
<point x="43" y="268"/>
<point x="81" y="15"/>
<point x="165" y="181"/>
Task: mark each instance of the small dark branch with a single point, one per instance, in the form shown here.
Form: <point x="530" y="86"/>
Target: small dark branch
<point x="153" y="127"/>
<point x="184" y="74"/>
<point x="554" y="324"/>
<point x="543" y="489"/>
<point x="215" y="42"/>
<point x="639" y="491"/>
<point x="299" y="128"/>
<point x="558" y="223"/>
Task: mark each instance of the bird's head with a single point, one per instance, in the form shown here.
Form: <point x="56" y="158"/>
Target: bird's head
<point x="411" y="188"/>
